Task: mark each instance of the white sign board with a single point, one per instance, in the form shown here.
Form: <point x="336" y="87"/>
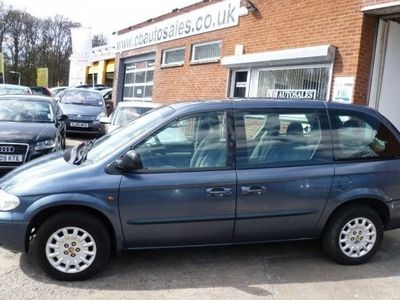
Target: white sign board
<point x="213" y="17"/>
<point x="292" y="94"/>
<point x="343" y="89"/>
<point x="81" y="45"/>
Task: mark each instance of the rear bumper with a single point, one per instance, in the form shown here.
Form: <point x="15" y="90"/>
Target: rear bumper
<point x="394" y="212"/>
<point x="12" y="235"/>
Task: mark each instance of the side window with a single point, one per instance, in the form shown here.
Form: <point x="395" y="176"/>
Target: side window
<point x="193" y="142"/>
<point x="282" y="138"/>
<point x="359" y="136"/>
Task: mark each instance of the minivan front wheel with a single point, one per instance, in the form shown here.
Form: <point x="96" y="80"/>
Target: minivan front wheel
<point x="353" y="235"/>
<point x="72" y="246"/>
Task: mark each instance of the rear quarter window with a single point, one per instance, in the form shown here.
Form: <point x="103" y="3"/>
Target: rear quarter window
<point x="358" y="136"/>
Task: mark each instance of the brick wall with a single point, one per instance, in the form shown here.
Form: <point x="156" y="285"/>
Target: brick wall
<point x="280" y="24"/>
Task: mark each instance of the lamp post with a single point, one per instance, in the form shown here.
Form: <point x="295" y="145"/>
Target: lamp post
<point x="19" y="76"/>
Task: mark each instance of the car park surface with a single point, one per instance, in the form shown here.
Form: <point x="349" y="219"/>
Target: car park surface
<point x="283" y="181"/>
<point x="279" y="271"/>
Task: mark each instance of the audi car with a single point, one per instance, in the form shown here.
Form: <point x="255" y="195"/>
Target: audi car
<point x="30" y="127"/>
<point x="84" y="109"/>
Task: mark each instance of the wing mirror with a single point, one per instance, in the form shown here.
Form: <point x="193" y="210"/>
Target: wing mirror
<point x="130" y="161"/>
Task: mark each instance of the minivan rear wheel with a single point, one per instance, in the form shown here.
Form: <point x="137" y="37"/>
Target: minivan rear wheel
<point x="72" y="246"/>
<point x="353" y="235"/>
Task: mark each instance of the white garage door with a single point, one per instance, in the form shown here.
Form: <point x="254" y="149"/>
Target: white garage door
<point x="385" y="89"/>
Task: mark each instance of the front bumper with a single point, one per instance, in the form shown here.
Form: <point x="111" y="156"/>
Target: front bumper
<point x="13" y="235"/>
<point x="94" y="127"/>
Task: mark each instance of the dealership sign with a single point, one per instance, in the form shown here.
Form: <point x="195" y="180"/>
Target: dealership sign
<point x="292" y="94"/>
<point x="213" y="17"/>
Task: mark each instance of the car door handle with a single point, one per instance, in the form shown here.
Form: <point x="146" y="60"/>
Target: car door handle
<point x="219" y="192"/>
<point x="253" y="190"/>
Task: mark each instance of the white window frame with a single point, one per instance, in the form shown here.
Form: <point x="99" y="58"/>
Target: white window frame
<point x="233" y="80"/>
<point x="179" y="63"/>
<point x="210" y="59"/>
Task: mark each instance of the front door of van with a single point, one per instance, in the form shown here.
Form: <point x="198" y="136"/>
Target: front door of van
<point x="285" y="172"/>
<point x="186" y="193"/>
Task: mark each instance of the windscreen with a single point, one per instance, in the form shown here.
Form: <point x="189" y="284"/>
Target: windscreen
<point x="26" y="111"/>
<point x="82" y="98"/>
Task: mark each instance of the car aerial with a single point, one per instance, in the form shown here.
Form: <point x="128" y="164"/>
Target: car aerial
<point x="126" y="112"/>
<point x="30" y="127"/>
<point x="12" y="89"/>
<point x="239" y="172"/>
<point x="84" y="109"/>
<point x="40" y="91"/>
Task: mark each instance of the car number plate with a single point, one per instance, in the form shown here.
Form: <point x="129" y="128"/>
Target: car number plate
<point x="10" y="158"/>
<point x="81" y="125"/>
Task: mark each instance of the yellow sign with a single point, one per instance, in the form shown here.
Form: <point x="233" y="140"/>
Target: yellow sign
<point x="1" y="64"/>
<point x="42" y="77"/>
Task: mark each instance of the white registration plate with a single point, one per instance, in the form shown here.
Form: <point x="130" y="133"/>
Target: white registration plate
<point x="11" y="158"/>
<point x="80" y="125"/>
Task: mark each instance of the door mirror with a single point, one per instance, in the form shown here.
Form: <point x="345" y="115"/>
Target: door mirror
<point x="130" y="161"/>
<point x="63" y="118"/>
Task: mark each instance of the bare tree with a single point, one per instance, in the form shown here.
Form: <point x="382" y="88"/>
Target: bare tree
<point x="99" y="40"/>
<point x="4" y="22"/>
<point x="29" y="43"/>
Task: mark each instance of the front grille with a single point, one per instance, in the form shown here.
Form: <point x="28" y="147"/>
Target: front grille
<point x="12" y="155"/>
<point x="80" y="117"/>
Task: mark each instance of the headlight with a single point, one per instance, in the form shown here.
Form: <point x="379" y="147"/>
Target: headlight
<point x="99" y="116"/>
<point x="8" y="201"/>
<point x="49" y="144"/>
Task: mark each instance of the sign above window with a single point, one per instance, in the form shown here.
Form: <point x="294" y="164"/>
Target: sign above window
<point x="292" y="94"/>
<point x="213" y="17"/>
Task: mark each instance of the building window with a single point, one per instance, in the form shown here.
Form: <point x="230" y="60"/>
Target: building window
<point x="240" y="84"/>
<point x="173" y="57"/>
<point x="302" y="82"/>
<point x="138" y="83"/>
<point x="206" y="51"/>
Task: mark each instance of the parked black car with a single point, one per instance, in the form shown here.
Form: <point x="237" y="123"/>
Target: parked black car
<point x="84" y="109"/>
<point x="30" y="126"/>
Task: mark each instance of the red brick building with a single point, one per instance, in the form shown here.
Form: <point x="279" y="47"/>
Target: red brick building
<point x="342" y="50"/>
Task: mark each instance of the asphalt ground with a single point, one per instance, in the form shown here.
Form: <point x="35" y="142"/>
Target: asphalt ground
<point x="291" y="270"/>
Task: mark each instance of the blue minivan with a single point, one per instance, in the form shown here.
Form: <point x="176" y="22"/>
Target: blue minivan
<point x="210" y="173"/>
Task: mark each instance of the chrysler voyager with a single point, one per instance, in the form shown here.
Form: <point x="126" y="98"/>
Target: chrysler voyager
<point x="210" y="173"/>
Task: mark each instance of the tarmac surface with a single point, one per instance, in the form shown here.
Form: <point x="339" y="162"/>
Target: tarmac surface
<point x="291" y="270"/>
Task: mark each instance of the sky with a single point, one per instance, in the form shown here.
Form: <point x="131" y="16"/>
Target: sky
<point x="102" y="16"/>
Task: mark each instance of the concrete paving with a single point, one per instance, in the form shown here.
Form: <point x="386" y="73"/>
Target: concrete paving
<point x="295" y="270"/>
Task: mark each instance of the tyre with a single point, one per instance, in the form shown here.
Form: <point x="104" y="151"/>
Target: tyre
<point x="72" y="246"/>
<point x="64" y="140"/>
<point x="353" y="235"/>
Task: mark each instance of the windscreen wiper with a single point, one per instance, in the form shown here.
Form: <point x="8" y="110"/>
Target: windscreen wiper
<point x="82" y="151"/>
